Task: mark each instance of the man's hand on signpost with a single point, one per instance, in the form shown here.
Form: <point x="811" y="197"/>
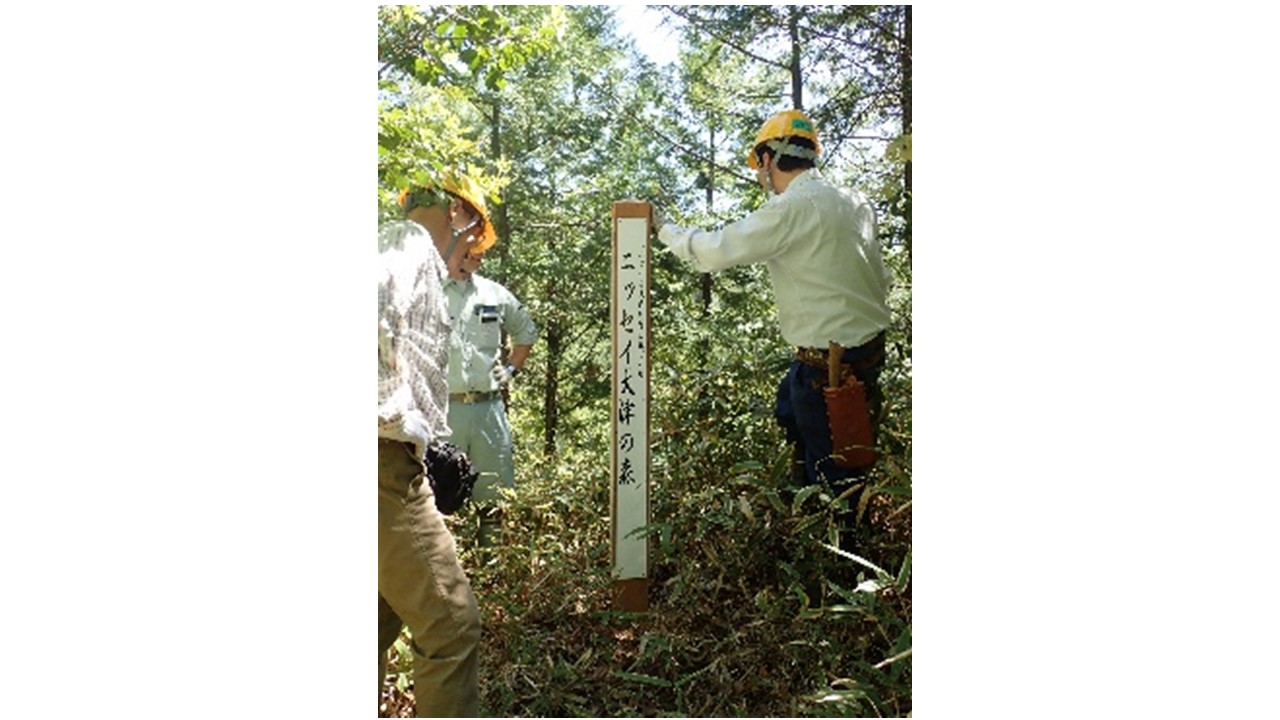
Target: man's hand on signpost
<point x="659" y="217"/>
<point x="662" y="216"/>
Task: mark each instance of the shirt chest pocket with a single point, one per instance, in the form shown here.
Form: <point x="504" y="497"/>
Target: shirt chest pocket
<point x="488" y="326"/>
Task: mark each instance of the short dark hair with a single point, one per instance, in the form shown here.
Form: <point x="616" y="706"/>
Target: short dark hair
<point x="787" y="163"/>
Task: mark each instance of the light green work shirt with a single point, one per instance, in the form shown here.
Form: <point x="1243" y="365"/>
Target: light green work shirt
<point x="479" y="311"/>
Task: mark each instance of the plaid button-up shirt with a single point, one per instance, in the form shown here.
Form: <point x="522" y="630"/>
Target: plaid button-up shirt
<point x="413" y="336"/>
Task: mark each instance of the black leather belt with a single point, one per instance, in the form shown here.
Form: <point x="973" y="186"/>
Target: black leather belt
<point x="467" y="398"/>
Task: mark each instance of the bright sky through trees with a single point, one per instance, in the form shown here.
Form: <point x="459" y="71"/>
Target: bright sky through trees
<point x="643" y="25"/>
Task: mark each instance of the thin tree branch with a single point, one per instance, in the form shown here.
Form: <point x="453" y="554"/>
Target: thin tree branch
<point x="672" y="143"/>
<point x="843" y="40"/>
<point x="700" y="25"/>
<point x="560" y="224"/>
<point x="885" y="31"/>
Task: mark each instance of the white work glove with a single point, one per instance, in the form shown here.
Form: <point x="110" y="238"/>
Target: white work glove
<point x="502" y="374"/>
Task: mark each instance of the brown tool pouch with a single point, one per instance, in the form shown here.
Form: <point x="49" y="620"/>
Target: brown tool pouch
<point x="848" y="417"/>
<point x="850" y="423"/>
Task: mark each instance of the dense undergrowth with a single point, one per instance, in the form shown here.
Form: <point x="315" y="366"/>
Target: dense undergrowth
<point x="754" y="611"/>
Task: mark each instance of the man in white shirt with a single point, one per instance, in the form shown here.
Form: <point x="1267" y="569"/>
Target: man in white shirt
<point x="420" y="581"/>
<point x="819" y="245"/>
<point x="481" y="310"/>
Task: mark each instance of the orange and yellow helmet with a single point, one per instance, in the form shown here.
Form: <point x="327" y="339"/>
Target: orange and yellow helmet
<point x="468" y="189"/>
<point x="461" y="186"/>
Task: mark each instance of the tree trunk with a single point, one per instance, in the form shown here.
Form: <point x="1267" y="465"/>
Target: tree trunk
<point x="793" y="25"/>
<point x="906" y="125"/>
<point x="711" y="189"/>
<point x="554" y="335"/>
<point x="501" y="221"/>
<point x="553" y="386"/>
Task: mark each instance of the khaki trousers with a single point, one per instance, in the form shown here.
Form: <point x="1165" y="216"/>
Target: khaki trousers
<point x="422" y="585"/>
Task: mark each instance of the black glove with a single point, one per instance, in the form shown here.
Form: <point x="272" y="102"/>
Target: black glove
<point x="451" y="475"/>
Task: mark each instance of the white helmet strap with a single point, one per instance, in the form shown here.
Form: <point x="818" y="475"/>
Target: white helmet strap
<point x="454" y="236"/>
<point x="781" y="148"/>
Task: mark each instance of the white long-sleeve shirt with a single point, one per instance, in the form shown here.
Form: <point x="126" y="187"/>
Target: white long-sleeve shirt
<point x="413" y="336"/>
<point x="819" y="244"/>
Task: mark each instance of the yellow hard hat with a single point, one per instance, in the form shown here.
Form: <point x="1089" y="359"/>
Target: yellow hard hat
<point x="428" y="195"/>
<point x="459" y="185"/>
<point x="788" y="123"/>
<point x="467" y="189"/>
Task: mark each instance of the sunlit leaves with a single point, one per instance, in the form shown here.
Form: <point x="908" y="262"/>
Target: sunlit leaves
<point x="899" y="151"/>
<point x="465" y="44"/>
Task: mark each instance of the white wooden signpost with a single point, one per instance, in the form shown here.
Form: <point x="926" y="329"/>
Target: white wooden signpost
<point x="629" y="498"/>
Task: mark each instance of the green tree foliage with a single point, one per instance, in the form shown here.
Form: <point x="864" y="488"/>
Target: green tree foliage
<point x="752" y="612"/>
<point x="463" y="44"/>
<point x="847" y="66"/>
<point x="439" y="68"/>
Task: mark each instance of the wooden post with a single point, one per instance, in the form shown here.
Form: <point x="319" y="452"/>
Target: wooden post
<point x="629" y="494"/>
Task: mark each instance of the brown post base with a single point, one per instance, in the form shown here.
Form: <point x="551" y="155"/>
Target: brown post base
<point x="631" y="595"/>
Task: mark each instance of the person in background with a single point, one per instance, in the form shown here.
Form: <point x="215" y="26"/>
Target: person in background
<point x="482" y="311"/>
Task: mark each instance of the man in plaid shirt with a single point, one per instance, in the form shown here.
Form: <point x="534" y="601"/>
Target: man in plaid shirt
<point x="420" y="581"/>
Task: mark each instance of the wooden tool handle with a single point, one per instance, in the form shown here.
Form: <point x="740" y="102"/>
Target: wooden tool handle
<point x="834" y="353"/>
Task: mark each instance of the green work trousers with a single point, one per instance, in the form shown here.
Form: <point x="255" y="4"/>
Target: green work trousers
<point x="480" y="430"/>
<point x="422" y="585"/>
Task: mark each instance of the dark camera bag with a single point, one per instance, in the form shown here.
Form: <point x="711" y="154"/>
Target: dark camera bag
<point x="451" y="474"/>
